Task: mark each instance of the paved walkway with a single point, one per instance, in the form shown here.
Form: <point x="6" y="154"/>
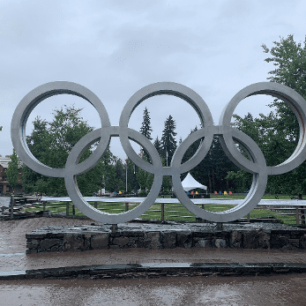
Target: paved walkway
<point x="13" y="247"/>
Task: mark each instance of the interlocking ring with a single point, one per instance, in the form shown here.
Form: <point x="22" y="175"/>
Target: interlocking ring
<point x="227" y="135"/>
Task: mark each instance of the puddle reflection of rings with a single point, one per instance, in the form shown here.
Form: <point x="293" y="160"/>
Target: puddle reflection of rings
<point x="229" y="137"/>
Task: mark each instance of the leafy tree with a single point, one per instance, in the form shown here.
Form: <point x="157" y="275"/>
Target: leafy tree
<point x="51" y="142"/>
<point x="168" y="139"/>
<point x="12" y="171"/>
<point x="277" y="133"/>
<point x="289" y="60"/>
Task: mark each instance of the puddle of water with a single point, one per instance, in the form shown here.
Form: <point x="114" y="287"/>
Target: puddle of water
<point x="12" y="254"/>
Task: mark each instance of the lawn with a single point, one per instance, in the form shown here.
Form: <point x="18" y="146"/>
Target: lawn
<point x="172" y="212"/>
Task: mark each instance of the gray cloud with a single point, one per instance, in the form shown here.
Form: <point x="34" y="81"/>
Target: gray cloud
<point x="116" y="47"/>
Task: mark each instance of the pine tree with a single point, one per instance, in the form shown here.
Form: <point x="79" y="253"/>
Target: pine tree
<point x="168" y="139"/>
<point x="146" y="124"/>
<point x="158" y="146"/>
<point x="146" y="130"/>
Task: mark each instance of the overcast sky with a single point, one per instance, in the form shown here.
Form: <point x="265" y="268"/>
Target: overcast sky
<point x="114" y="48"/>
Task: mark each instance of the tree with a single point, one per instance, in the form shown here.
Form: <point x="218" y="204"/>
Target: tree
<point x="146" y="130"/>
<point x="146" y="124"/>
<point x="51" y="142"/>
<point x="289" y="59"/>
<point x="168" y="140"/>
<point x="158" y="146"/>
<point x="12" y="171"/>
<point x="213" y="169"/>
<point x="277" y="133"/>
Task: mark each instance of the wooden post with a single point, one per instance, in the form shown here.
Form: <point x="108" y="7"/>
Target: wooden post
<point x="126" y="206"/>
<point x="96" y="205"/>
<point x="297" y="215"/>
<point x="73" y="211"/>
<point x="44" y="206"/>
<point x="248" y="217"/>
<point x="67" y="209"/>
<point x="302" y="211"/>
<point x="162" y="208"/>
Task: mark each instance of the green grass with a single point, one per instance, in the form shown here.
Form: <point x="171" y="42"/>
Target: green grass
<point x="173" y="212"/>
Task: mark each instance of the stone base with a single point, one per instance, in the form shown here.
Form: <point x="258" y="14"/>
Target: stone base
<point x="165" y="236"/>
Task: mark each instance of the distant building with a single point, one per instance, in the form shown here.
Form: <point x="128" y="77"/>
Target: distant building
<point x="4" y="185"/>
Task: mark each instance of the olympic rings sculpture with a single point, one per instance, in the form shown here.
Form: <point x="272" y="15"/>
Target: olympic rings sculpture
<point x="227" y="135"/>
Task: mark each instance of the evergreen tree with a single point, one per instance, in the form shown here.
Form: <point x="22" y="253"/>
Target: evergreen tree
<point x="12" y="171"/>
<point x="146" y="124"/>
<point x="146" y="130"/>
<point x="158" y="145"/>
<point x="168" y="140"/>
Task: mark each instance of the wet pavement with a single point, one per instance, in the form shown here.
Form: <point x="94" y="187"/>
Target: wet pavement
<point x="271" y="290"/>
<point x="13" y="248"/>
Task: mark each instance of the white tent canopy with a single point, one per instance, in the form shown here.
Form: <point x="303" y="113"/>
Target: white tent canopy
<point x="190" y="183"/>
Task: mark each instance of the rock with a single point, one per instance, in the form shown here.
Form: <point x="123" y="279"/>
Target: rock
<point x="47" y="244"/>
<point x="168" y="240"/>
<point x="256" y="240"/>
<point x="100" y="241"/>
<point x="220" y="243"/>
<point x="202" y="243"/>
<point x="184" y="239"/>
<point x="303" y="242"/>
<point x="152" y="240"/>
<point x="73" y="242"/>
<point x="235" y="240"/>
<point x="121" y="241"/>
<point x="294" y="242"/>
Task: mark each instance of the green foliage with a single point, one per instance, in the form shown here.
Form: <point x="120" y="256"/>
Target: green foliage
<point x="277" y="133"/>
<point x="168" y="139"/>
<point x="12" y="171"/>
<point x="51" y="142"/>
<point x="214" y="168"/>
<point x="146" y="130"/>
<point x="158" y="146"/>
<point x="146" y="124"/>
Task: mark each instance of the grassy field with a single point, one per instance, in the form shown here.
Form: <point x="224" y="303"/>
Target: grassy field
<point x="172" y="212"/>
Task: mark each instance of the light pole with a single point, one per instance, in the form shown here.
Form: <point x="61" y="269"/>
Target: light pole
<point x="126" y="164"/>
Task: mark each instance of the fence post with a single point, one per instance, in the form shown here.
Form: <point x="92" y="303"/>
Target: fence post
<point x="126" y="206"/>
<point x="302" y="211"/>
<point x="248" y="217"/>
<point x="297" y="215"/>
<point x="162" y="208"/>
<point x="96" y="205"/>
<point x="67" y="209"/>
<point x="44" y="206"/>
<point x="73" y="211"/>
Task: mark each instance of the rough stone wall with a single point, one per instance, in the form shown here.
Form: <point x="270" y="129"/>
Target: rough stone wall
<point x="91" y="238"/>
